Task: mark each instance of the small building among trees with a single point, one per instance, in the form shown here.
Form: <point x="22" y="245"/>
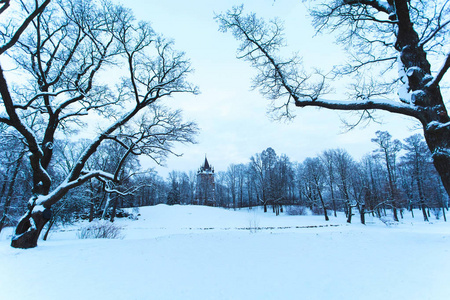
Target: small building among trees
<point x="205" y="188"/>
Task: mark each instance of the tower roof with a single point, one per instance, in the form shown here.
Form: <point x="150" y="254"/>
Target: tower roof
<point x="206" y="164"/>
<point x="206" y="167"/>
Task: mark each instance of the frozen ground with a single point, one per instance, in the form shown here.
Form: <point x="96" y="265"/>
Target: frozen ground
<point x="188" y="252"/>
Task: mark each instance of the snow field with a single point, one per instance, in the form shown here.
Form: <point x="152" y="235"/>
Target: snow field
<point x="191" y="252"/>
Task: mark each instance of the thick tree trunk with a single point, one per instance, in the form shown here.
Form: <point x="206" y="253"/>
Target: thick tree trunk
<point x="29" y="228"/>
<point x="362" y="213"/>
<point x="350" y="214"/>
<point x="427" y="95"/>
<point x="438" y="140"/>
<point x="394" y="212"/>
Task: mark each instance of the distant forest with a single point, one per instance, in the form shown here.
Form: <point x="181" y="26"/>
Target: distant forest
<point x="396" y="177"/>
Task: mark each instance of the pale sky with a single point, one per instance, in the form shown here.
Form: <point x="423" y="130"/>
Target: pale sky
<point x="232" y="118"/>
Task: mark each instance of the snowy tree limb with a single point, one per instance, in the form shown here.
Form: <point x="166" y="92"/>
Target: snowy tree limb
<point x="390" y="106"/>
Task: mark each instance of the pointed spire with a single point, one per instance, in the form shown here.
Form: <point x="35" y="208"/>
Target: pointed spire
<point x="206" y="164"/>
<point x="206" y="167"/>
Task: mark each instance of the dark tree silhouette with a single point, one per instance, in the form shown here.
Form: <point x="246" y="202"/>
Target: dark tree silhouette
<point x="397" y="37"/>
<point x="63" y="48"/>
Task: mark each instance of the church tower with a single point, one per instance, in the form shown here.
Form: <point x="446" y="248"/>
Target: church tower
<point x="204" y="193"/>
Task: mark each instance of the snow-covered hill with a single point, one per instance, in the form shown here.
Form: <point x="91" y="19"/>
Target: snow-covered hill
<point x="192" y="252"/>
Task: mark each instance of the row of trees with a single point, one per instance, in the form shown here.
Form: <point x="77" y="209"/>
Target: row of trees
<point x="397" y="176"/>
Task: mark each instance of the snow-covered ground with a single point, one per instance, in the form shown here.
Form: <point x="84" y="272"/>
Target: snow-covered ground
<point x="191" y="252"/>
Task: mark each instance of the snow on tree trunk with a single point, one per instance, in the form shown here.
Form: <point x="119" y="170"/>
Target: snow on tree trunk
<point x="350" y="214"/>
<point x="108" y="200"/>
<point x="362" y="213"/>
<point x="30" y="227"/>
<point x="437" y="136"/>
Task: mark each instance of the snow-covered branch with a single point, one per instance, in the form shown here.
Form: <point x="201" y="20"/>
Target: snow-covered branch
<point x="53" y="197"/>
<point x="390" y="106"/>
<point x="381" y="6"/>
<point x="128" y="192"/>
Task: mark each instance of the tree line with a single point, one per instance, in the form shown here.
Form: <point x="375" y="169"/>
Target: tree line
<point x="396" y="177"/>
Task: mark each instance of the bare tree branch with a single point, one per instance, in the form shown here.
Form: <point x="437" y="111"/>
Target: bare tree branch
<point x="15" y="37"/>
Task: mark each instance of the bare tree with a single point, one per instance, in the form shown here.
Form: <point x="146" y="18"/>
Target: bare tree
<point x="327" y="158"/>
<point x="382" y="38"/>
<point x="63" y="52"/>
<point x="152" y="191"/>
<point x="358" y="187"/>
<point x="388" y="150"/>
<point x="314" y="173"/>
<point x="416" y="156"/>
<point x="240" y="177"/>
<point x="374" y="178"/>
<point x="174" y="195"/>
<point x="260" y="171"/>
<point x="344" y="163"/>
<point x="286" y="178"/>
<point x="267" y="179"/>
<point x="232" y="182"/>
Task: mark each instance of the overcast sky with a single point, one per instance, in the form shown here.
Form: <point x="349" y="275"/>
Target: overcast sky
<point x="232" y="118"/>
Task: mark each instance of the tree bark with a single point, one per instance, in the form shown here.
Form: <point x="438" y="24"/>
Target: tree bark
<point x="29" y="228"/>
<point x="438" y="140"/>
<point x="394" y="211"/>
<point x="350" y="214"/>
<point x="424" y="211"/>
<point x="362" y="213"/>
